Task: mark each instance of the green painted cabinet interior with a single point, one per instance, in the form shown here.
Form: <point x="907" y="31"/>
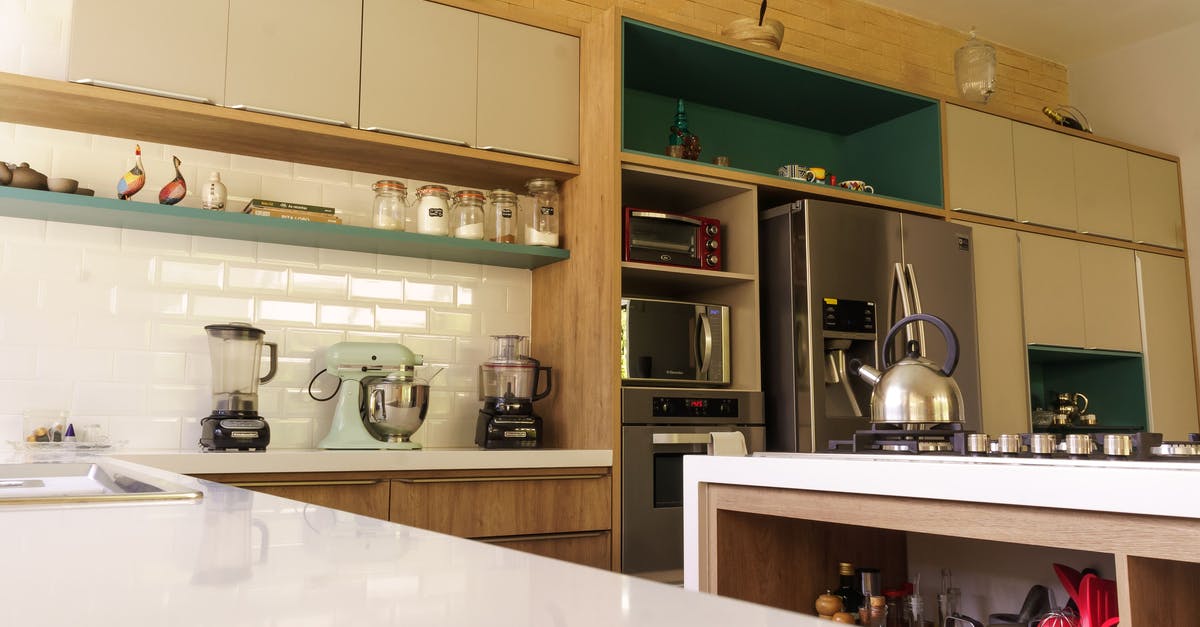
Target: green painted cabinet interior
<point x="763" y="112"/>
<point x="1113" y="381"/>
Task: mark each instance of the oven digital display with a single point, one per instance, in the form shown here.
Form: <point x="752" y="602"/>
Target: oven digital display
<point x="676" y="407"/>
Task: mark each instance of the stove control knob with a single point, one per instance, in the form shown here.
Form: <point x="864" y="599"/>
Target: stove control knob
<point x="711" y="230"/>
<point x="1042" y="444"/>
<point x="664" y="406"/>
<point x="712" y="244"/>
<point x="1010" y="444"/>
<point x="1080" y="445"/>
<point x="1118" y="445"/>
<point x="977" y="444"/>
<point x="712" y="260"/>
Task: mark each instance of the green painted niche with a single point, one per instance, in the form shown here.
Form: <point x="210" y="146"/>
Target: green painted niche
<point x="1113" y="381"/>
<point x="763" y="112"/>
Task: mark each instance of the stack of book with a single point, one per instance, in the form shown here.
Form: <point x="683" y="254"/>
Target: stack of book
<point x="291" y="211"/>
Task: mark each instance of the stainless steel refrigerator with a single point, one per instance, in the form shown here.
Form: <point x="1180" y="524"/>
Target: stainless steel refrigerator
<point x="834" y="279"/>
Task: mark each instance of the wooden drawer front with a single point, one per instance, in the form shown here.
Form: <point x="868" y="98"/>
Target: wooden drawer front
<point x="366" y="498"/>
<point x="487" y="506"/>
<point x="589" y="548"/>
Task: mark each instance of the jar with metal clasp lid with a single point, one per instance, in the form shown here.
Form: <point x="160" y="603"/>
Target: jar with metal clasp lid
<point x="543" y="227"/>
<point x="433" y="209"/>
<point x="391" y="199"/>
<point x="466" y="216"/>
<point x="502" y="220"/>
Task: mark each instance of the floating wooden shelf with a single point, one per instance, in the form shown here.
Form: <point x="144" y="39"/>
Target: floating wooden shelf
<point x="89" y="109"/>
<point x="27" y="203"/>
<point x="638" y="276"/>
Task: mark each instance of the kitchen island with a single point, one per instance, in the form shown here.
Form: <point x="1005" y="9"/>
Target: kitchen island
<point x="789" y="515"/>
<point x="240" y="558"/>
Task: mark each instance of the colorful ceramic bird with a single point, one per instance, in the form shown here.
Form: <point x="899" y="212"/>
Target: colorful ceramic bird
<point x="174" y="191"/>
<point x="133" y="180"/>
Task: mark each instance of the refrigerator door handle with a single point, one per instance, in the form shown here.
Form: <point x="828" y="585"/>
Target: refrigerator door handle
<point x="899" y="285"/>
<point x="916" y="296"/>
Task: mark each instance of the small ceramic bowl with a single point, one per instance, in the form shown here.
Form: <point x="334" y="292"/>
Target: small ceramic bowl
<point x="83" y="191"/>
<point x="65" y="186"/>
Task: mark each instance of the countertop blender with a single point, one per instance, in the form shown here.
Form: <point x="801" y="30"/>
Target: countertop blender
<point x="508" y="383"/>
<point x="236" y="352"/>
<point x="379" y="401"/>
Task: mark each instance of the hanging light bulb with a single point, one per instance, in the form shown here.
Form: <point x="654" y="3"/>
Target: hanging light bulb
<point x="975" y="69"/>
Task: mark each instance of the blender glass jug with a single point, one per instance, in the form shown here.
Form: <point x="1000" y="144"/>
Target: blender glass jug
<point x="236" y="352"/>
<point x="510" y="375"/>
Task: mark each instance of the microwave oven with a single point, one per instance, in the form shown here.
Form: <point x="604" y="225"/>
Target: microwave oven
<point x="671" y="343"/>
<point x="672" y="239"/>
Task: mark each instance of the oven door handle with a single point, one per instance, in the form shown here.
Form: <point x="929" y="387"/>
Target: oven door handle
<point x="680" y="438"/>
<point x="707" y="340"/>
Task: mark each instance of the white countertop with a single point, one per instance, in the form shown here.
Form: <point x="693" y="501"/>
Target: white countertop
<point x="240" y="559"/>
<point x="1148" y="488"/>
<point x="317" y="460"/>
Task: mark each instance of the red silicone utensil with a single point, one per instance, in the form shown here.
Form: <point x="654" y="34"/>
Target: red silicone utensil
<point x="1070" y="579"/>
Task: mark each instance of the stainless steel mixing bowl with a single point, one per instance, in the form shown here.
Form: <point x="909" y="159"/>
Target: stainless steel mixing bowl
<point x="395" y="408"/>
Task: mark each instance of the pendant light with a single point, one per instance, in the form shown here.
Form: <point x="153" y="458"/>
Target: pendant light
<point x="975" y="69"/>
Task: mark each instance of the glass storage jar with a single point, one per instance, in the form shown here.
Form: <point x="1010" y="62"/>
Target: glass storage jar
<point x="543" y="227"/>
<point x="433" y="209"/>
<point x="391" y="198"/>
<point x="502" y="225"/>
<point x="466" y="216"/>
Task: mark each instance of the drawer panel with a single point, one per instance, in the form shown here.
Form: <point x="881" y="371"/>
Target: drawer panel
<point x="589" y="548"/>
<point x="366" y="498"/>
<point x="479" y="507"/>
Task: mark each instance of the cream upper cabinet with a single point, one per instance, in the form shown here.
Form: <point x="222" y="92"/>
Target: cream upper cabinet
<point x="1051" y="291"/>
<point x="1102" y="189"/>
<point x="1170" y="372"/>
<point x="1045" y="177"/>
<point x="1111" y="317"/>
<point x="1154" y="193"/>
<point x="422" y="83"/>
<point x="980" y="176"/>
<point x="1003" y="379"/>
<point x="298" y="58"/>
<point x="528" y="91"/>
<point x="174" y="48"/>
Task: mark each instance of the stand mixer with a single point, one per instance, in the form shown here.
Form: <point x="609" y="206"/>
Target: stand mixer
<point x="379" y="405"/>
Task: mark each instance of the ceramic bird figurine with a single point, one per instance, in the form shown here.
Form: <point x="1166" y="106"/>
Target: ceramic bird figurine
<point x="133" y="180"/>
<point x="174" y="191"/>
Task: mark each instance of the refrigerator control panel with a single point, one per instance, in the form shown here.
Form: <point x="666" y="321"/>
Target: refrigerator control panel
<point x="849" y="316"/>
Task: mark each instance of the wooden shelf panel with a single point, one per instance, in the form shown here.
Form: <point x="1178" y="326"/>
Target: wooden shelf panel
<point x="39" y="205"/>
<point x="88" y="109"/>
<point x="637" y="277"/>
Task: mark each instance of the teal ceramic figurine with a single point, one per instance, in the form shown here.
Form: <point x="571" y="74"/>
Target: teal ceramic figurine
<point x="688" y="142"/>
<point x="133" y="180"/>
<point x="174" y="191"/>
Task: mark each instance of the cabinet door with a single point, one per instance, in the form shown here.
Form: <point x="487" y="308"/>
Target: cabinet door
<point x="1110" y="298"/>
<point x="170" y="46"/>
<point x="365" y="498"/>
<point x="1154" y="194"/>
<point x="296" y="57"/>
<point x="1170" y="372"/>
<point x="1102" y="189"/>
<point x="979" y="150"/>
<point x="590" y="549"/>
<point x="528" y="90"/>
<point x="1045" y="177"/>
<point x="1051" y="291"/>
<point x="1003" y="377"/>
<point x="422" y="83"/>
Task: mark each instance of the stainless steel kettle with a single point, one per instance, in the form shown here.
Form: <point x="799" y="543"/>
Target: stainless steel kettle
<point x="914" y="390"/>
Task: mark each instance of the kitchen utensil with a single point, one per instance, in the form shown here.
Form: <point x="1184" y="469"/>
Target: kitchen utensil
<point x="63" y="186"/>
<point x="5" y="174"/>
<point x="1097" y="600"/>
<point x="1069" y="577"/>
<point x="28" y="178"/>
<point x="381" y="373"/>
<point x="235" y="350"/>
<point x="508" y="386"/>
<point x="914" y="390"/>
<point x="1037" y="603"/>
<point x="84" y="191"/>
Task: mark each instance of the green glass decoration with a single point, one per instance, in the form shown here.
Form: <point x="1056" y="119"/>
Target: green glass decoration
<point x="681" y="142"/>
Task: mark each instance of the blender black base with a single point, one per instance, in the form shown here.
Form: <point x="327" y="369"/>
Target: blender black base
<point x="494" y="431"/>
<point x="234" y="432"/>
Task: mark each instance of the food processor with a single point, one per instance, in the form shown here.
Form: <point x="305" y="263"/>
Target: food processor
<point x="508" y="383"/>
<point x="236" y="352"/>
<point x="379" y="401"/>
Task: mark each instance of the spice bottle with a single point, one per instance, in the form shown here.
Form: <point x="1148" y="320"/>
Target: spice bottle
<point x="849" y="588"/>
<point x="213" y="194"/>
<point x="390" y="200"/>
<point x="543" y="228"/>
<point x="466" y="216"/>
<point x="433" y="208"/>
<point x="502" y="225"/>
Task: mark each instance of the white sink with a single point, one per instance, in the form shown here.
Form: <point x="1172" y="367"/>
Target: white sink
<point x="82" y="482"/>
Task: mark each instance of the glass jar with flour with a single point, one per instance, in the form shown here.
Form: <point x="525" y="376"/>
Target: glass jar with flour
<point x="542" y="229"/>
<point x="466" y="216"/>
<point x="433" y="210"/>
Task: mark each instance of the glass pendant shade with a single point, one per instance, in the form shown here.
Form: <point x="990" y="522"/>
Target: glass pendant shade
<point x="975" y="70"/>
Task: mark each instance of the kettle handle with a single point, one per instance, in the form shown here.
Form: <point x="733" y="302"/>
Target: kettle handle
<point x="947" y="332"/>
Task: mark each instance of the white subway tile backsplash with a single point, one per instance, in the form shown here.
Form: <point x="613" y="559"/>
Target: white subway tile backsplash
<point x="520" y="299"/>
<point x="82" y="164"/>
<point x="284" y="311"/>
<point x="21" y="291"/>
<point x="197" y="368"/>
<point x="8" y="130"/>
<point x="387" y="318"/>
<point x="113" y="332"/>
<point x="453" y="323"/>
<point x="296" y="403"/>
<point x="373" y="336"/>
<point x="34" y="327"/>
<point x="466" y="295"/>
<point x="22" y="229"/>
<point x="265" y="167"/>
<point x="441" y="403"/>
<point x="406" y="266"/>
<point x="189" y="433"/>
<point x="287" y="254"/>
<point x="316" y="173"/>
<point x="177" y="400"/>
<point x="506" y="276"/>
<point x="83" y="235"/>
<point x="380" y="289"/>
<point x="434" y="348"/>
<point x="87" y="298"/>
<point x="179" y="337"/>
<point x="91" y="363"/>
<point x="16" y="363"/>
<point x="227" y="249"/>
<point x="10" y="424"/>
<point x="257" y="279"/>
<point x="489" y="297"/>
<point x="126" y="268"/>
<point x="496" y="323"/>
<point x="204" y="160"/>
<point x="460" y="376"/>
<point x="291" y="433"/>
<point x="319" y="284"/>
<point x="422" y="292"/>
<point x="290" y="190"/>
<point x="139" y="366"/>
<point x="37" y="259"/>
<point x="363" y="263"/>
<point x="470" y="351"/>
<point x="39" y="156"/>
<point x="145" y="433"/>
<point x="203" y="274"/>
<point x="294" y="372"/>
<point x="455" y="270"/>
<point x="108" y="398"/>
<point x="153" y="242"/>
<point x="310" y="343"/>
<point x="349" y="201"/>
<point x="138" y="301"/>
<point x="124" y="149"/>
<point x="222" y="308"/>
<point x="238" y="185"/>
<point x="16" y="396"/>
<point x="346" y="315"/>
<point x="52" y="136"/>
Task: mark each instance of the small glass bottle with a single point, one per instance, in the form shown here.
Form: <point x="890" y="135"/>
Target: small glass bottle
<point x="503" y="217"/>
<point x="466" y="216"/>
<point x="543" y="229"/>
<point x="848" y="589"/>
<point x="433" y="209"/>
<point x="213" y="194"/>
<point x="391" y="197"/>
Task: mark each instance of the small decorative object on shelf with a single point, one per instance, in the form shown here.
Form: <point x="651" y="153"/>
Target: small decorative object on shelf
<point x="975" y="69"/>
<point x="681" y="142"/>
<point x="134" y="179"/>
<point x="213" y="194"/>
<point x="767" y="33"/>
<point x="1068" y="116"/>
<point x="174" y="191"/>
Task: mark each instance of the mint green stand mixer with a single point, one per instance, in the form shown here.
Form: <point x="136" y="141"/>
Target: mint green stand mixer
<point x="379" y="402"/>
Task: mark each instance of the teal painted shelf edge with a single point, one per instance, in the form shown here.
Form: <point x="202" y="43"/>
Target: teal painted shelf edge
<point x="108" y="212"/>
<point x="1047" y="352"/>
